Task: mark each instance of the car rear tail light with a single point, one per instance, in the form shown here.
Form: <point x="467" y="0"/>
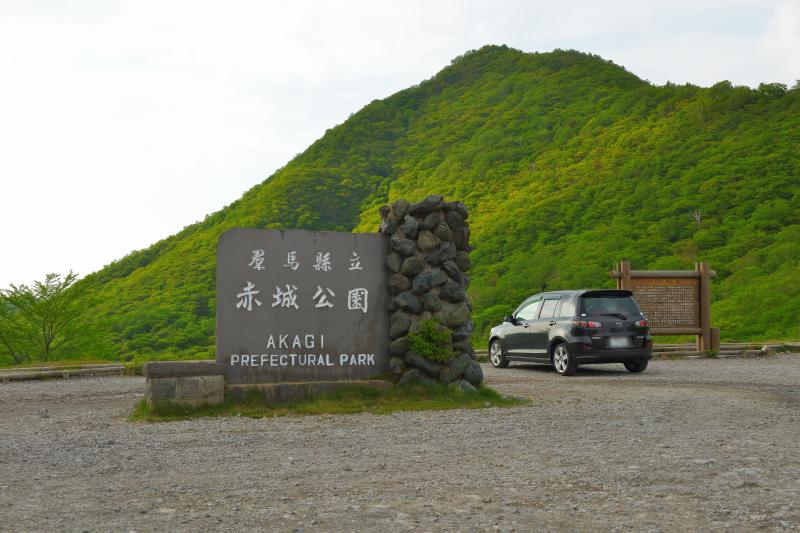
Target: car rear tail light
<point x="586" y="324"/>
<point x="648" y="344"/>
<point x="642" y="323"/>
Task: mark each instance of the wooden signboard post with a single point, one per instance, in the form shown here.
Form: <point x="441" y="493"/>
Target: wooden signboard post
<point x="676" y="302"/>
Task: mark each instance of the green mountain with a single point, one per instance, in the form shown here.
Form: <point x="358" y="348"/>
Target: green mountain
<point x="568" y="164"/>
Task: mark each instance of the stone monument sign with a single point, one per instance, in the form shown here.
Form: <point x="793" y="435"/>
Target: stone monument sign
<point x="301" y="306"/>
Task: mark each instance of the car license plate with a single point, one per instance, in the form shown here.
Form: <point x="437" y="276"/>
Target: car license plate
<point x="619" y="342"/>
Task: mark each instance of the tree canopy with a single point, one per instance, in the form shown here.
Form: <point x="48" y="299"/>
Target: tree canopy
<point x="40" y="321"/>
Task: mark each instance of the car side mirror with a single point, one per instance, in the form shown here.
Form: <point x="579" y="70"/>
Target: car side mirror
<point x="509" y="318"/>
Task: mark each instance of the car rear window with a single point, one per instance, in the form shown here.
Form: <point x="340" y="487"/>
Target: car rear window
<point x="595" y="305"/>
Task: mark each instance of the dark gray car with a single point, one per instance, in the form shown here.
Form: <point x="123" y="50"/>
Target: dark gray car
<point x="570" y="328"/>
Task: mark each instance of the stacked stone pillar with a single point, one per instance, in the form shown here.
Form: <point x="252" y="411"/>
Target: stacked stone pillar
<point x="429" y="260"/>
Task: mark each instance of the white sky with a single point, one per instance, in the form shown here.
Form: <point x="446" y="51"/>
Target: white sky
<point x="122" y="122"/>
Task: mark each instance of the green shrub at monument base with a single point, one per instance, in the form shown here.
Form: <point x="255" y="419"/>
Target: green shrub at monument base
<point x="432" y="341"/>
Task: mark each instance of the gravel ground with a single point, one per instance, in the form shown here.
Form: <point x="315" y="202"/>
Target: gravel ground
<point x="688" y="445"/>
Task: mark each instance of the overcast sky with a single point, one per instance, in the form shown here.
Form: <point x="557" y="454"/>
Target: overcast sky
<point x="122" y="122"/>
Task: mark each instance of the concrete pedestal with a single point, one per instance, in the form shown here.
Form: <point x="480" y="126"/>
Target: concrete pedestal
<point x="186" y="383"/>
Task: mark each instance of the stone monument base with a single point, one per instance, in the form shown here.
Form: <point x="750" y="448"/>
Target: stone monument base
<point x="185" y="383"/>
<point x="298" y="391"/>
<point x="197" y="383"/>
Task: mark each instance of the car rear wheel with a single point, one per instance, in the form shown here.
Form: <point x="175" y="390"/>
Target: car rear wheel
<point x="636" y="366"/>
<point x="496" y="356"/>
<point x="563" y="360"/>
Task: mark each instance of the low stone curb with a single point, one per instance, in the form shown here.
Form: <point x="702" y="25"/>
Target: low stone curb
<point x="65" y="373"/>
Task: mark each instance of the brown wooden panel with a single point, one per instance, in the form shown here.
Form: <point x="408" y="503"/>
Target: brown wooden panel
<point x="675" y="331"/>
<point x="669" y="303"/>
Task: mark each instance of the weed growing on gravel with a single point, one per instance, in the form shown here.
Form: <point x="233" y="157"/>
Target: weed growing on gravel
<point x="352" y="399"/>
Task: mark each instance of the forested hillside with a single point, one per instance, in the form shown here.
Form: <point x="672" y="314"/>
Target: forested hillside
<point x="568" y="164"/>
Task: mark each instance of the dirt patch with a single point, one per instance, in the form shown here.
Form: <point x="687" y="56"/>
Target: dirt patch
<point x="687" y="445"/>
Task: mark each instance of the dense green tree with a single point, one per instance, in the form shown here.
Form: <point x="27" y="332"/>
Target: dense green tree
<point x="40" y="321"/>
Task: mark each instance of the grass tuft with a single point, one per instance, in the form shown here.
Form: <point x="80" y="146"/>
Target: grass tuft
<point x="353" y="399"/>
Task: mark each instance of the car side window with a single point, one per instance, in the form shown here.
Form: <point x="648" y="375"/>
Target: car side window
<point x="529" y="310"/>
<point x="567" y="308"/>
<point x="549" y="308"/>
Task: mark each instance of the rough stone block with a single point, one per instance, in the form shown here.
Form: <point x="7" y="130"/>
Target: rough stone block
<point x="453" y="315"/>
<point x="398" y="283"/>
<point x="396" y="366"/>
<point x="399" y="346"/>
<point x="399" y="208"/>
<point x="474" y="373"/>
<point x="456" y="369"/>
<point x="443" y="232"/>
<point x="410" y="227"/>
<point x="432" y="220"/>
<point x="443" y="252"/>
<point x="408" y="302"/>
<point x="401" y="245"/>
<point x="399" y="325"/>
<point x="413" y="266"/>
<point x="415" y="376"/>
<point x="426" y="365"/>
<point x="394" y="261"/>
<point x="427" y="205"/>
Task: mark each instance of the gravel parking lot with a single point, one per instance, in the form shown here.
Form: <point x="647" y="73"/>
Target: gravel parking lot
<point x="687" y="445"/>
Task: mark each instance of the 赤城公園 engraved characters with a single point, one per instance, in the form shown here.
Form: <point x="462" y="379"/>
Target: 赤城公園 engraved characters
<point x="288" y="295"/>
<point x="247" y="297"/>
<point x="357" y="300"/>
<point x="285" y="297"/>
<point x="321" y="297"/>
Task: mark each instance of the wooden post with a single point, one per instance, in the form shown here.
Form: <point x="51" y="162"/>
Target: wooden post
<point x="715" y="339"/>
<point x="704" y="339"/>
<point x="624" y="279"/>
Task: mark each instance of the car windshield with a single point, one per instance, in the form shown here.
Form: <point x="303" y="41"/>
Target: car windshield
<point x="622" y="306"/>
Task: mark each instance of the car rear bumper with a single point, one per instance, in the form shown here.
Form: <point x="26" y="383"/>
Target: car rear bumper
<point x="609" y="356"/>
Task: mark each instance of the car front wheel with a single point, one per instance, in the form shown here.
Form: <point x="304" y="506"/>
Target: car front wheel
<point x="496" y="356"/>
<point x="564" y="361"/>
<point x="636" y="366"/>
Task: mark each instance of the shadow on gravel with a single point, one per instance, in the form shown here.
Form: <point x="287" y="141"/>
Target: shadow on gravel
<point x="593" y="371"/>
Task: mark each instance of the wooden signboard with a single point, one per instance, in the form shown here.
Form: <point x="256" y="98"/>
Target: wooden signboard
<point x="676" y="302"/>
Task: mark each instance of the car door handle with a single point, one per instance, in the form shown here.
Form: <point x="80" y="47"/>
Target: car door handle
<point x="552" y="322"/>
<point x="526" y="325"/>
